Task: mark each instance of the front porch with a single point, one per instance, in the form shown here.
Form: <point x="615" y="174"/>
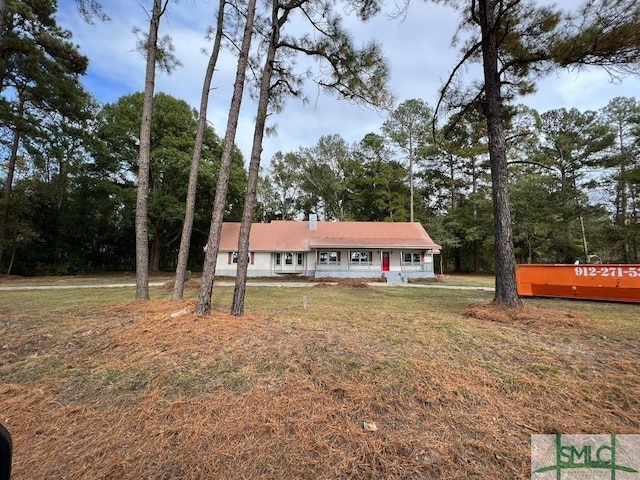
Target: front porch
<point x="374" y="270"/>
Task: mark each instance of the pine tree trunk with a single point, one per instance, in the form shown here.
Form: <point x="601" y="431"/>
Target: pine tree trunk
<point x="622" y="192"/>
<point x="13" y="257"/>
<point x="187" y="228"/>
<point x="154" y="256"/>
<point x="237" y="307"/>
<point x="474" y="190"/>
<point x="144" y="163"/>
<point x="203" y="304"/>
<point x="476" y="256"/>
<point x="411" y="194"/>
<point x="506" y="287"/>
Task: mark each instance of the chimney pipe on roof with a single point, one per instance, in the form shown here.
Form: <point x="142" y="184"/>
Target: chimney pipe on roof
<point x="313" y="221"/>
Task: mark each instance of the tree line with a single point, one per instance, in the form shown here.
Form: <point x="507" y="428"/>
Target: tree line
<point x="145" y="182"/>
<point x="74" y="212"/>
<point x="574" y="182"/>
<point x="573" y="176"/>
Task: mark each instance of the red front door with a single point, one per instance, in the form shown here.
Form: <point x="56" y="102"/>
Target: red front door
<point x="385" y="261"/>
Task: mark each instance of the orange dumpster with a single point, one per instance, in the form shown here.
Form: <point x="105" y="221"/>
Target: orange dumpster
<point x="606" y="282"/>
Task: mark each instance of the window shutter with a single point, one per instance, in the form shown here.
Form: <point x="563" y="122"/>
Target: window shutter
<point x="339" y="255"/>
<point x="370" y="257"/>
<point x="230" y="258"/>
<point x="253" y="256"/>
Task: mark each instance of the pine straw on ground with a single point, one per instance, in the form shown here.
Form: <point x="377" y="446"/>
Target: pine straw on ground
<point x="527" y="316"/>
<point x="157" y="392"/>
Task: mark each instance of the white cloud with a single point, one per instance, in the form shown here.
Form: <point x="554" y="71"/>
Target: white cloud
<point x="586" y="90"/>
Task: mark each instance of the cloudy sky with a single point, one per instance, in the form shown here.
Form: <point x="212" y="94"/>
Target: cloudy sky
<point x="417" y="45"/>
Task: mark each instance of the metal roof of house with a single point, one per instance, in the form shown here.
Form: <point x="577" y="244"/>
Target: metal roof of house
<point x="293" y="236"/>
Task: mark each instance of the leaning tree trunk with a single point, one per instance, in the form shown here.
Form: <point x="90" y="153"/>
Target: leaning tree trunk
<point x="506" y="287"/>
<point x="144" y="163"/>
<point x="237" y="307"/>
<point x="187" y="228"/>
<point x="203" y="304"/>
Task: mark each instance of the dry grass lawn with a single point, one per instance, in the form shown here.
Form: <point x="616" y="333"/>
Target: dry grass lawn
<point x="331" y="382"/>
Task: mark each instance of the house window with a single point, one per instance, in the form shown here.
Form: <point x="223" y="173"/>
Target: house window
<point x="288" y="258"/>
<point x="328" y="257"/>
<point x="233" y="257"/>
<point x="360" y="258"/>
<point x="412" y="258"/>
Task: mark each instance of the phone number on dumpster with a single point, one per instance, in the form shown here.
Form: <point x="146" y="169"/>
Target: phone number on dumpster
<point x="632" y="272"/>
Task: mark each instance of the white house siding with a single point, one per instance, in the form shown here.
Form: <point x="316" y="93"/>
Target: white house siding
<point x="261" y="266"/>
<point x="264" y="264"/>
<point x="223" y="267"/>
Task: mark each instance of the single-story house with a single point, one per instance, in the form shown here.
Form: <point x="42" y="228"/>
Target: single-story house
<point x="397" y="251"/>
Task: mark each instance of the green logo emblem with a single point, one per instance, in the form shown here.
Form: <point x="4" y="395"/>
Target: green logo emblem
<point x="585" y="456"/>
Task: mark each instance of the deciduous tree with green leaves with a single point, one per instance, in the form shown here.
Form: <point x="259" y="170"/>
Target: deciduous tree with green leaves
<point x="287" y="177"/>
<point x="324" y="169"/>
<point x="173" y="130"/>
<point x="376" y="189"/>
<point x="269" y="204"/>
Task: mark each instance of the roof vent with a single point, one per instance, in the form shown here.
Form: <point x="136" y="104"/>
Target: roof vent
<point x="313" y="221"/>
